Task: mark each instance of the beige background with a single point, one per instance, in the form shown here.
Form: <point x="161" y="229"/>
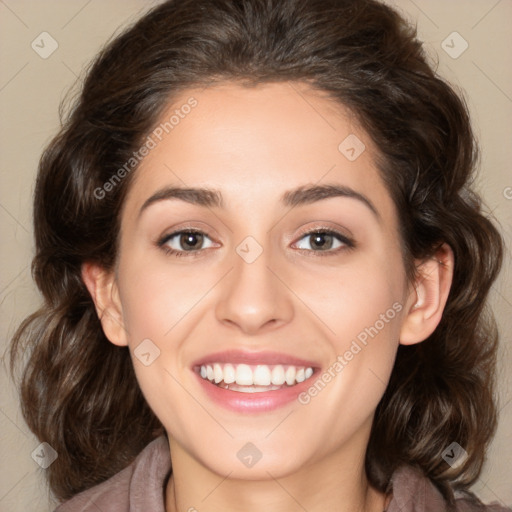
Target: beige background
<point x="30" y="91"/>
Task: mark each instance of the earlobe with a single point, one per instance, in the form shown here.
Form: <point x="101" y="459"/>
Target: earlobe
<point x="104" y="292"/>
<point x="427" y="300"/>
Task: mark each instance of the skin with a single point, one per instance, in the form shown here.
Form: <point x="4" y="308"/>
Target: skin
<point x="253" y="144"/>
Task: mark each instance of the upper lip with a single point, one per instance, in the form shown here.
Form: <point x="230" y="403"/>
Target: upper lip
<point x="244" y="357"/>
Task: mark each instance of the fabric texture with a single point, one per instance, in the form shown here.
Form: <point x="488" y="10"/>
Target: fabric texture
<point x="140" y="487"/>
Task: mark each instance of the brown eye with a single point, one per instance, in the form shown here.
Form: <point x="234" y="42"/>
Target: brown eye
<point x="185" y="241"/>
<point x="191" y="241"/>
<point x="322" y="241"/>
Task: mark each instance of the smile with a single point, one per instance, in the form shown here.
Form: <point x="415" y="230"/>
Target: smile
<point x="245" y="378"/>
<point x="244" y="381"/>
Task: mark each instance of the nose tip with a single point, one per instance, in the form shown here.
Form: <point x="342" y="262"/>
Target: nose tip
<point x="251" y="324"/>
<point x="252" y="298"/>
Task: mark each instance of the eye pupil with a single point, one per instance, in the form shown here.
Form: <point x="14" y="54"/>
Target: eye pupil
<point x="189" y="241"/>
<point x="319" y="240"/>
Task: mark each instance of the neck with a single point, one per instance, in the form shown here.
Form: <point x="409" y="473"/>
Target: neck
<point x="336" y="483"/>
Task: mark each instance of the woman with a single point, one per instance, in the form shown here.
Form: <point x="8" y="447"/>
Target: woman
<point x="264" y="270"/>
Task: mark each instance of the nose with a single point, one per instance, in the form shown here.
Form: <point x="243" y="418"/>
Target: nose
<point x="253" y="297"/>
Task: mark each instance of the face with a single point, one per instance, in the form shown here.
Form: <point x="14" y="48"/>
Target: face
<point x="263" y="305"/>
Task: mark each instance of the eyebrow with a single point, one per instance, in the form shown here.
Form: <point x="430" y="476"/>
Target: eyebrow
<point x="303" y="195"/>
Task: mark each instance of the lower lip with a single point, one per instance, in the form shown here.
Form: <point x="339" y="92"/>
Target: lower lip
<point x="253" y="402"/>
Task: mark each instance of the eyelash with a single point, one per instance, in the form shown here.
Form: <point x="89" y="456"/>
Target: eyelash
<point x="349" y="244"/>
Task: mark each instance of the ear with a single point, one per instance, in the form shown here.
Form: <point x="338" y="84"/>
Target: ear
<point x="427" y="299"/>
<point x="104" y="292"/>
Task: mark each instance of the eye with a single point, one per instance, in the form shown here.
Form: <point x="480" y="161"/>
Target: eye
<point x="181" y="242"/>
<point x="193" y="242"/>
<point x="324" y="241"/>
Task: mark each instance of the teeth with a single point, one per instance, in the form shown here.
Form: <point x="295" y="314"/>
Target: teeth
<point x="290" y="376"/>
<point x="278" y="377"/>
<point x="244" y="375"/>
<point x="249" y="389"/>
<point x="229" y="374"/>
<point x="217" y="373"/>
<point x="261" y="377"/>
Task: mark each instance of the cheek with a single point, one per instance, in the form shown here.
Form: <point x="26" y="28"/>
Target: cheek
<point x="158" y="310"/>
<point x="162" y="304"/>
<point x="156" y="296"/>
<point x="360" y="299"/>
<point x="361" y="306"/>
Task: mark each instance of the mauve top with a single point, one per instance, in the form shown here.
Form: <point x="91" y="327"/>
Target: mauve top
<point x="140" y="487"/>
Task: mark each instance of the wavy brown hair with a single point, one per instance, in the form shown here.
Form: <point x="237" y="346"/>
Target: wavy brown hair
<point x="79" y="392"/>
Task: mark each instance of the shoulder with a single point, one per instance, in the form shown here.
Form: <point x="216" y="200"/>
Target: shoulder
<point x="139" y="486"/>
<point x="415" y="492"/>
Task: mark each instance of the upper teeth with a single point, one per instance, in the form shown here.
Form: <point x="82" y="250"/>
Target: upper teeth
<point x="259" y="375"/>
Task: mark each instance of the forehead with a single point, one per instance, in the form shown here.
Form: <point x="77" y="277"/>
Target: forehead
<point x="254" y="143"/>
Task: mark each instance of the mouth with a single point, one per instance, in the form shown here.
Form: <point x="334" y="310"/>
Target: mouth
<point x="245" y="378"/>
<point x="253" y="382"/>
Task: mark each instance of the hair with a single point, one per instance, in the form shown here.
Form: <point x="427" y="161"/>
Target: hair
<point x="79" y="392"/>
